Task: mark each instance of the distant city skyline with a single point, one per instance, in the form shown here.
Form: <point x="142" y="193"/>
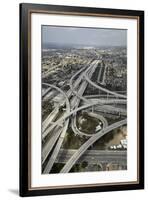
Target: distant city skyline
<point x="88" y="37"/>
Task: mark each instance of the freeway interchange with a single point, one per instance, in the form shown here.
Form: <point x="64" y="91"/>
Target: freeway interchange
<point x="65" y="112"/>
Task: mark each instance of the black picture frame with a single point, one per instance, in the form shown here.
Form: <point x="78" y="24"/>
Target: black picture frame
<point x="25" y="97"/>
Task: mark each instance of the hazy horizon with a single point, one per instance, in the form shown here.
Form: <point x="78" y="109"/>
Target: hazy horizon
<point x="85" y="37"/>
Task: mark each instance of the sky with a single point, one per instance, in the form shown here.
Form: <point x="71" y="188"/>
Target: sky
<point x="84" y="36"/>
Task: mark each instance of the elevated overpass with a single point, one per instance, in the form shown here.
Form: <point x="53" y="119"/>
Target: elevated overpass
<point x="88" y="143"/>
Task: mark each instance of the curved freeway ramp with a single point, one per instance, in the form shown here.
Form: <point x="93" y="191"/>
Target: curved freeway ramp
<point x="78" y="132"/>
<point x="88" y="143"/>
<point x="104" y="89"/>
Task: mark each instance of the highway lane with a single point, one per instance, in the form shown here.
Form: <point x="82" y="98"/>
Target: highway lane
<point x="101" y="96"/>
<point x="88" y="143"/>
<point x="49" y="144"/>
<point x="54" y="113"/>
<point x="50" y="95"/>
<point x="51" y="117"/>
<point x="110" y="101"/>
<point x="100" y="72"/>
<point x="104" y="75"/>
<point x="93" y="156"/>
<point x="46" y="92"/>
<point x="60" y="138"/>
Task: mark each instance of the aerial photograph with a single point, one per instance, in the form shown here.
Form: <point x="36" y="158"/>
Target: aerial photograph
<point x="84" y="99"/>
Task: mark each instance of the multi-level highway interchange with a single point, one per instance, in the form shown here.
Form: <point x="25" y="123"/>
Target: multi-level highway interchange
<point x="84" y="113"/>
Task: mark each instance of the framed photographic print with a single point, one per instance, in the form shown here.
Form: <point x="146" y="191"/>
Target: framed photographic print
<point x="81" y="99"/>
